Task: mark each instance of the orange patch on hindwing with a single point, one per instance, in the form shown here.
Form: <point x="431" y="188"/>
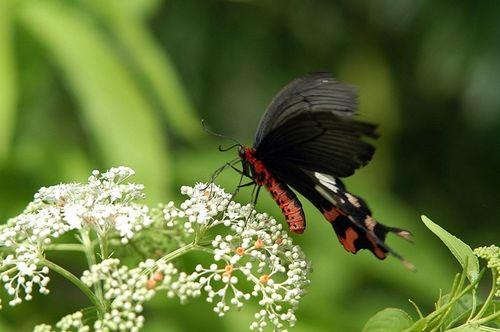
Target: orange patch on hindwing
<point x="376" y="249"/>
<point x="348" y="241"/>
<point x="332" y="214"/>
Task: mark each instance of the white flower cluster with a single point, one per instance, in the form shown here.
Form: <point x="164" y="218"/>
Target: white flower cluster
<point x="251" y="255"/>
<point x="128" y="289"/>
<point x="201" y="209"/>
<point x="22" y="273"/>
<point x="37" y="225"/>
<point x="125" y="289"/>
<point x="176" y="283"/>
<point x="71" y="322"/>
<point x="257" y="250"/>
<point x="104" y="204"/>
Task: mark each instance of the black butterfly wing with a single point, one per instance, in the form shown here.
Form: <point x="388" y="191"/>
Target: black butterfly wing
<point x="319" y="141"/>
<point x="348" y="214"/>
<point x="310" y="124"/>
<point x="313" y="92"/>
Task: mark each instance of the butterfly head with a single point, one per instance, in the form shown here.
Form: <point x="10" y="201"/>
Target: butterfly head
<point x="247" y="158"/>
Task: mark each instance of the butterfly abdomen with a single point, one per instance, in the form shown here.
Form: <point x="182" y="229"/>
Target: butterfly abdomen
<point x="288" y="203"/>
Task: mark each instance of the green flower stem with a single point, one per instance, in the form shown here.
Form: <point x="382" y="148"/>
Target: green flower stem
<point x="457" y="286"/>
<point x="487" y="318"/>
<point x="176" y="253"/>
<point x="490" y="297"/>
<point x="474" y="305"/>
<point x="77" y="282"/>
<point x="64" y="247"/>
<point x="172" y="255"/>
<point x="103" y="245"/>
<point x="417" y="309"/>
<point x="205" y="249"/>
<point x="458" y="296"/>
<point x="452" y="301"/>
<point x="89" y="253"/>
<point x="9" y="271"/>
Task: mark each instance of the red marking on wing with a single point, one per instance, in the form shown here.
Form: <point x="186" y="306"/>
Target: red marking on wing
<point x="347" y="233"/>
<point x="348" y="242"/>
<point x="376" y="249"/>
<point x="332" y="214"/>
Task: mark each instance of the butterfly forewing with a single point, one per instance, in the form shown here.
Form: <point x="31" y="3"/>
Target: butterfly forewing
<point x="318" y="91"/>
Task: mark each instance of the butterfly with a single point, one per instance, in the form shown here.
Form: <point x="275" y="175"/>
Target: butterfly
<point x="307" y="139"/>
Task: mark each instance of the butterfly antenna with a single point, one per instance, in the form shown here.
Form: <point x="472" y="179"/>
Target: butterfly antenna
<point x="221" y="149"/>
<point x="203" y="123"/>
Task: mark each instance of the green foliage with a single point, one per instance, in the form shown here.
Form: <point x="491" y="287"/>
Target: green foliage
<point x="388" y="320"/>
<point x="462" y="252"/>
<point x="122" y="80"/>
<point x="114" y="109"/>
<point x="459" y="310"/>
<point x="8" y="87"/>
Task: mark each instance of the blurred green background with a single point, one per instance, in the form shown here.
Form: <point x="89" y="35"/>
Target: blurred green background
<point x="95" y="83"/>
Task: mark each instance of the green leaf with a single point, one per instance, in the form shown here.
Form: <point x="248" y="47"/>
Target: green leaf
<point x="493" y="307"/>
<point x="459" y="311"/>
<point x="8" y="84"/>
<point x="388" y="320"/>
<point x="462" y="252"/>
<point x="114" y="110"/>
<point x="470" y="328"/>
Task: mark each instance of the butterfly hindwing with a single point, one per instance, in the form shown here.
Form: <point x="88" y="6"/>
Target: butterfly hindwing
<point x="348" y="214"/>
<point x="352" y="219"/>
<point x="352" y="237"/>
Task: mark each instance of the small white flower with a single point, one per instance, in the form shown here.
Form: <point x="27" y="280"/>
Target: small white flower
<point x="73" y="215"/>
<point x="126" y="289"/>
<point x="73" y="322"/>
<point x="258" y="249"/>
<point x="23" y="273"/>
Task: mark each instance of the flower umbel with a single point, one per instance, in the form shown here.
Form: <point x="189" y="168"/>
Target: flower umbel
<point x="256" y="250"/>
<point x="249" y="254"/>
<point x="492" y="256"/>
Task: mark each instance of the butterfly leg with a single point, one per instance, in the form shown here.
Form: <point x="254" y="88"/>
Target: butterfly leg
<point x="237" y="170"/>
<point x="254" y="200"/>
<point x="239" y="186"/>
<point x="219" y="170"/>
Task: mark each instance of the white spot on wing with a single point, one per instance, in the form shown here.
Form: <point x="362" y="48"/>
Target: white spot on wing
<point x="353" y="200"/>
<point x="327" y="180"/>
<point x="370" y="223"/>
